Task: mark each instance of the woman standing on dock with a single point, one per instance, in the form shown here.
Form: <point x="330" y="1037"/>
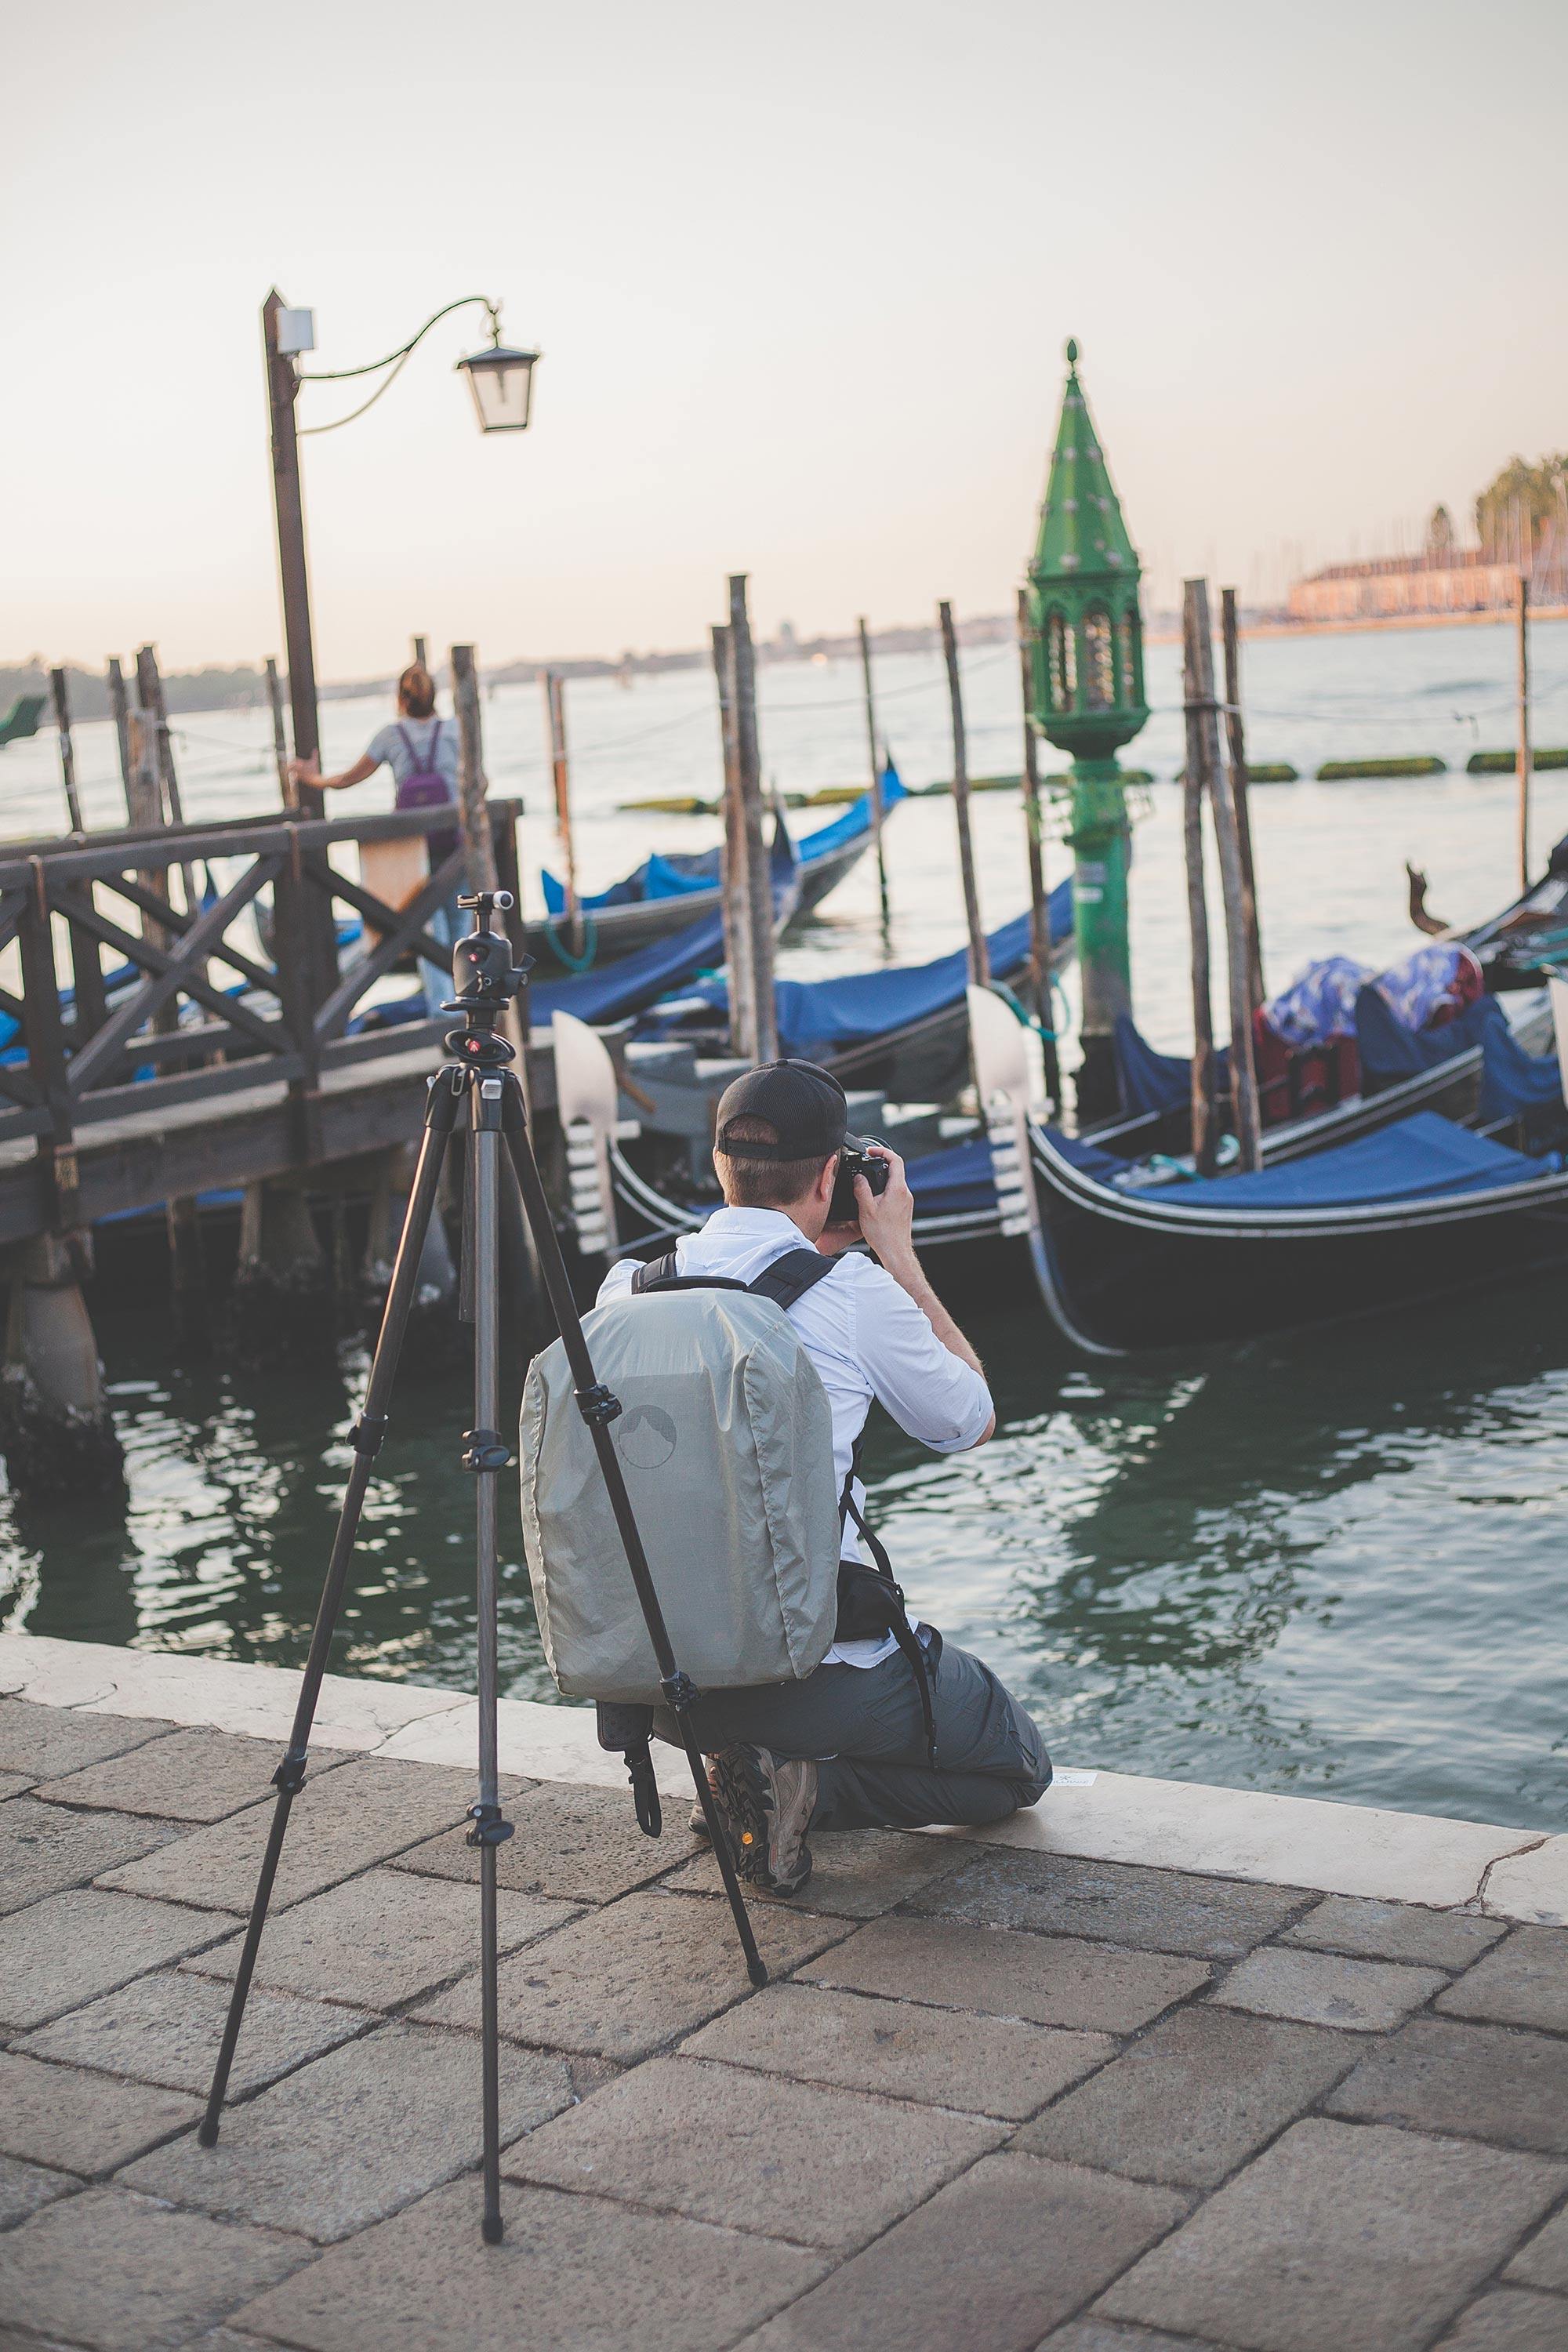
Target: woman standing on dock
<point x="421" y="750"/>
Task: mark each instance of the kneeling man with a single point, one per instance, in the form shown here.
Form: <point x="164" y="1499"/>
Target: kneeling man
<point x="879" y="1735"/>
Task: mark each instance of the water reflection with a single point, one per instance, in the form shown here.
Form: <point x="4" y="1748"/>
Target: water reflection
<point x="1327" y="1562"/>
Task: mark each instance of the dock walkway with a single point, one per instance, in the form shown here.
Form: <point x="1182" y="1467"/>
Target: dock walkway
<point x="1152" y="2069"/>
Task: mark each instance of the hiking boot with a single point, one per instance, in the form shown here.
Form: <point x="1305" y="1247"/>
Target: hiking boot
<point x="766" y="1802"/>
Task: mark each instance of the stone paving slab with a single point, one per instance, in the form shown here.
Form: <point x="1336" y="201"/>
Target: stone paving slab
<point x="796" y="2160"/>
<point x="1532" y="1885"/>
<point x="41" y="1742"/>
<point x="1485" y="2080"/>
<point x="971" y="2267"/>
<point x="1340" y="2235"/>
<point x="987" y="2065"/>
<point x="26" y="2188"/>
<point x="1110" y="2335"/>
<point x="79" y="2122"/>
<point x="124" y="2274"/>
<point x="12" y="1784"/>
<point x="1149" y="1910"/>
<point x="1522" y="1982"/>
<point x="69" y="1948"/>
<point x="571" y="2271"/>
<point x="187" y="1776"/>
<point x="1544" y="2261"/>
<point x="1193" y="2097"/>
<point x="1510" y="2319"/>
<point x="1325" y="1989"/>
<point x="355" y="2135"/>
<point x="1048" y="1980"/>
<point x="1394" y="1931"/>
<point x="354" y="1816"/>
<point x="856" y="1873"/>
<point x="626" y="1982"/>
<point x="381" y="1940"/>
<point x="45" y="1849"/>
<point x="166" y="2028"/>
<point x="579" y="1845"/>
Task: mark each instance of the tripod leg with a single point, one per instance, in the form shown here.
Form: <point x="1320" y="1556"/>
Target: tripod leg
<point x="486" y="1455"/>
<point x="598" y="1408"/>
<point x="440" y="1119"/>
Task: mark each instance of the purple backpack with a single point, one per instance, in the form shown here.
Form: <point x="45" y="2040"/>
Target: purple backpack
<point x="426" y="787"/>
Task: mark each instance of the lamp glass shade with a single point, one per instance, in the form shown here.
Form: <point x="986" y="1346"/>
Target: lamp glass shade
<point x="502" y="382"/>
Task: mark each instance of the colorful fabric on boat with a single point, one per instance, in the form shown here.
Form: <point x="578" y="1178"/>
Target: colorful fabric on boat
<point x="1390" y="1051"/>
<point x="1319" y="1003"/>
<point x="1433" y="985"/>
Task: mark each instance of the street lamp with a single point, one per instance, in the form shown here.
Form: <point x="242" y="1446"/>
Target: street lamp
<point x="501" y="382"/>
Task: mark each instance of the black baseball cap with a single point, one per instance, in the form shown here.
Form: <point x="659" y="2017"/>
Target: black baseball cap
<point x="805" y="1106"/>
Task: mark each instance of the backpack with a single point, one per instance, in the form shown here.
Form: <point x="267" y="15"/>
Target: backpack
<point x="426" y="787"/>
<point x="725" y="1438"/>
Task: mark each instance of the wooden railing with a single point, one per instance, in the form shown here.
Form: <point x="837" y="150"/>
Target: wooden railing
<point x="201" y="1001"/>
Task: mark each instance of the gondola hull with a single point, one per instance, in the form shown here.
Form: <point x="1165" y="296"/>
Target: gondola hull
<point x="619" y="932"/>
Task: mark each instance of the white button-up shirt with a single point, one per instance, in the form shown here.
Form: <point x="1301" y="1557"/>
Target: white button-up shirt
<point x="867" y="1339"/>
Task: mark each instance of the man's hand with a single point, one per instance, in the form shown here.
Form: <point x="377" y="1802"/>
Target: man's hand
<point x="887" y="1218"/>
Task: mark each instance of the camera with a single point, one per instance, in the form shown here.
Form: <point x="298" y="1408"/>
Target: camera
<point x="854" y="1160"/>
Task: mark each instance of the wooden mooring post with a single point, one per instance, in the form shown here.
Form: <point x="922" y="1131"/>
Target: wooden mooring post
<point x="735" y="891"/>
<point x="472" y="785"/>
<point x="979" y="958"/>
<point x="1241" y="790"/>
<point x="749" y="777"/>
<point x="1034" y="827"/>
<point x="1216" y="782"/>
<point x="120" y="706"/>
<point x="877" y="765"/>
<point x="1523" y="757"/>
<point x="1204" y="1136"/>
<point x="60" y="692"/>
<point x="289" y="792"/>
<point x="555" y="686"/>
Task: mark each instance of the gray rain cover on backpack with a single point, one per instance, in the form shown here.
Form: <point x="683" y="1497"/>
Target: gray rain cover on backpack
<point x="725" y="1437"/>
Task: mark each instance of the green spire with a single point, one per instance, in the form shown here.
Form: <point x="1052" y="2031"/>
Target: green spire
<point x="1082" y="535"/>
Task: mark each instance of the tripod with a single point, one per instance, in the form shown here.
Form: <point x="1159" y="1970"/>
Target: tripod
<point x="478" y="1075"/>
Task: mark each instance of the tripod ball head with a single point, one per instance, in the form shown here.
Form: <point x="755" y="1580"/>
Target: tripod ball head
<point x="484" y="977"/>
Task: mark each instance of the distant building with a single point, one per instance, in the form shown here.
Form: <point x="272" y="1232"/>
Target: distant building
<point x="1442" y="580"/>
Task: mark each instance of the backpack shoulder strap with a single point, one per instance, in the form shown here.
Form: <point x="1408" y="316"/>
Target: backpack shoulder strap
<point x="659" y="1274"/>
<point x="790" y="1276"/>
<point x="658" y="1270"/>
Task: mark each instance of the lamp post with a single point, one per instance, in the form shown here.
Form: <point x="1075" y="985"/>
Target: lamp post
<point x="1087" y="633"/>
<point x="501" y="382"/>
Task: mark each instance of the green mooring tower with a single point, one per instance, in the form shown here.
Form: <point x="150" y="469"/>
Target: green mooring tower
<point x="1089" y="701"/>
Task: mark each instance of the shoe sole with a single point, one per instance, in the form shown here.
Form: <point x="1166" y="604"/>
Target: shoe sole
<point x="738" y="1786"/>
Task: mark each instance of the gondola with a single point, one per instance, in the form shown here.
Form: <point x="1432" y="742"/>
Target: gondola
<point x="669" y="894"/>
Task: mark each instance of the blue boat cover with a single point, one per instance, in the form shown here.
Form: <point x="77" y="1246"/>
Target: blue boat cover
<point x="1152" y="1082"/>
<point x="958" y="1181"/>
<point x="669" y="878"/>
<point x="1390" y="1051"/>
<point x="1517" y="1085"/>
<point x="820" y="1017"/>
<point x="1421" y="1158"/>
<point x="632" y="982"/>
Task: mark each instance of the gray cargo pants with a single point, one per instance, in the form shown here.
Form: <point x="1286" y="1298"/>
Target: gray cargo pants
<point x="864" y="1727"/>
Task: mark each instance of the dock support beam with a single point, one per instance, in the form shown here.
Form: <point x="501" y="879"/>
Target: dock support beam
<point x="55" y="1430"/>
<point x="283" y="1298"/>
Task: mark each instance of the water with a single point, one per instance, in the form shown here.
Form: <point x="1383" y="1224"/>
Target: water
<point x="1327" y="1563"/>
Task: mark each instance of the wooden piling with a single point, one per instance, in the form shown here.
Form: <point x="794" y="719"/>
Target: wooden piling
<point x="68" y="754"/>
<point x="420" y="656"/>
<point x="749" y="770"/>
<point x="555" y="686"/>
<point x="979" y="959"/>
<point x="149" y="694"/>
<point x="287" y="787"/>
<point x="119" y="704"/>
<point x="472" y="786"/>
<point x="877" y="765"/>
<point x="1204" y="1136"/>
<point x="1524" y="755"/>
<point x="1241" y="788"/>
<point x="1197" y="637"/>
<point x="735" y="894"/>
<point x="1040" y="902"/>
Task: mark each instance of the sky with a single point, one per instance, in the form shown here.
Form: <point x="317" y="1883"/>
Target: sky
<point x="801" y="278"/>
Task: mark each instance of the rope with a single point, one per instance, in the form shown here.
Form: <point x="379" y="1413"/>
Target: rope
<point x="573" y="964"/>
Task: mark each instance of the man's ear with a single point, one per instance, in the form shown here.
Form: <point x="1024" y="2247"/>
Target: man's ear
<point x="824" y="1182"/>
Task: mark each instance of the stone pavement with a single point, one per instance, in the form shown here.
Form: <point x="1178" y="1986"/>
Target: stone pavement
<point x="996" y="2098"/>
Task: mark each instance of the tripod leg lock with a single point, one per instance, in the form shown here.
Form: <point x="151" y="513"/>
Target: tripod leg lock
<point x="598" y="1405"/>
<point x="490" y="1826"/>
<point x="367" y="1432"/>
<point x="290" y="1777"/>
<point x="679" y="1691"/>
<point x="485" y="1449"/>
